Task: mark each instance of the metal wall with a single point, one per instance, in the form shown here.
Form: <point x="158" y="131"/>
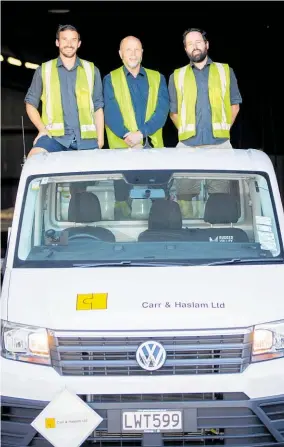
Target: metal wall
<point x="13" y="108"/>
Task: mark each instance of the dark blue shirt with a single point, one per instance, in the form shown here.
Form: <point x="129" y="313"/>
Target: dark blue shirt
<point x="204" y="133"/>
<point x="139" y="89"/>
<point x="67" y="79"/>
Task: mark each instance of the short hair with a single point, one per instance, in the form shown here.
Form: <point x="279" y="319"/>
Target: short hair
<point x="197" y="30"/>
<point x="62" y="28"/>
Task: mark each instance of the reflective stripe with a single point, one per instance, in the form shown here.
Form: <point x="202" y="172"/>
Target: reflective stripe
<point x="183" y="126"/>
<point x="223" y="80"/>
<point x="187" y="128"/>
<point x="183" y="105"/>
<point x="55" y="126"/>
<point x="89" y="75"/>
<point x="48" y="67"/>
<point x="221" y="126"/>
<point x="88" y="127"/>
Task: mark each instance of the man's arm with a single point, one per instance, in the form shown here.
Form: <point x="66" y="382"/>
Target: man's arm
<point x="235" y="110"/>
<point x="174" y="118"/>
<point x="235" y="96"/>
<point x="98" y="101"/>
<point x="100" y="126"/>
<point x="173" y="101"/>
<point x="32" y="101"/>
<point x="35" y="117"/>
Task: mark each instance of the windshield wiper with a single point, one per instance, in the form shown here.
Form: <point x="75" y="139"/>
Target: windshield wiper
<point x="176" y="264"/>
<point x="243" y="261"/>
<point x="126" y="264"/>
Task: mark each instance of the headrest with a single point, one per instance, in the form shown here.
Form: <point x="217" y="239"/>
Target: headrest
<point x="221" y="208"/>
<point x="84" y="207"/>
<point x="165" y="215"/>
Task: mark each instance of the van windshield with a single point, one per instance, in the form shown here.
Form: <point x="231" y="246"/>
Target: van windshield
<point x="147" y="217"/>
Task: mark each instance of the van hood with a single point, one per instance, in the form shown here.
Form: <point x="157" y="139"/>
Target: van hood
<point x="146" y="298"/>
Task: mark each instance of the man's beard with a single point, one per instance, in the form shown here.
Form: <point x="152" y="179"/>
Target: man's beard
<point x="199" y="56"/>
<point x="134" y="64"/>
<point x="68" y="53"/>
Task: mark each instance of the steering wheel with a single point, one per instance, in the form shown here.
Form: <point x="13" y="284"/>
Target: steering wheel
<point x="82" y="236"/>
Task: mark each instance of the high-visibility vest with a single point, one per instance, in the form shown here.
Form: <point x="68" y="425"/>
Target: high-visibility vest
<point x="123" y="98"/>
<point x="52" y="112"/>
<point x="219" y="98"/>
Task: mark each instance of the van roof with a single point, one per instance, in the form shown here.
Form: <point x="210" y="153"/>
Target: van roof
<point x="148" y="159"/>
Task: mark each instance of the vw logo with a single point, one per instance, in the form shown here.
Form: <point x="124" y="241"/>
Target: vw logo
<point x="151" y="355"/>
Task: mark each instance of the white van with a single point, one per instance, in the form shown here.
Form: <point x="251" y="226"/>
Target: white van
<point x="143" y="301"/>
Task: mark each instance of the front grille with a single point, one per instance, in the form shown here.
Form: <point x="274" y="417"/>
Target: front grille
<point x="275" y="413"/>
<point x="161" y="398"/>
<point x="230" y="419"/>
<point x="79" y="355"/>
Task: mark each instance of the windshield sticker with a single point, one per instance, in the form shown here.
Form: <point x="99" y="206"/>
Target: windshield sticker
<point x="263" y="220"/>
<point x="271" y="246"/>
<point x="91" y="301"/>
<point x="264" y="228"/>
<point x="267" y="240"/>
<point x="222" y="239"/>
<point x="35" y="186"/>
<point x="265" y="233"/>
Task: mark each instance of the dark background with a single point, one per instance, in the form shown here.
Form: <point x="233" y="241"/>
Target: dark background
<point x="247" y="35"/>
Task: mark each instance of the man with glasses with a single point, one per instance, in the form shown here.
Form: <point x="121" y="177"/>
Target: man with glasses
<point x="70" y="89"/>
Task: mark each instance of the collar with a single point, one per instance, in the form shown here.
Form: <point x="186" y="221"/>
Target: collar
<point x="77" y="63"/>
<point x="209" y="62"/>
<point x="142" y="71"/>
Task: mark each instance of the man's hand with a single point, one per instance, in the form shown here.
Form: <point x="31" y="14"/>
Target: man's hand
<point x="101" y="142"/>
<point x="134" y="139"/>
<point x="41" y="134"/>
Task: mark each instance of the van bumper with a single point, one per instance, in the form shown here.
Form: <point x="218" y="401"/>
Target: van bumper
<point x="245" y="409"/>
<point x="222" y="419"/>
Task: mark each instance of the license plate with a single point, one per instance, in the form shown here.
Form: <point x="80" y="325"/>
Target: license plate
<point x="152" y="420"/>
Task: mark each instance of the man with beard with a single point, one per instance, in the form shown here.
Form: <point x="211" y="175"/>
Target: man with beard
<point x="136" y="101"/>
<point x="204" y="103"/>
<point x="70" y="89"/>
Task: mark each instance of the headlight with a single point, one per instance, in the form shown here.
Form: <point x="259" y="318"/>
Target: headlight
<point x="25" y="343"/>
<point x="268" y="341"/>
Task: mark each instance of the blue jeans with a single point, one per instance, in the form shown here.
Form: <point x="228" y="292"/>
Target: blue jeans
<point x="52" y="145"/>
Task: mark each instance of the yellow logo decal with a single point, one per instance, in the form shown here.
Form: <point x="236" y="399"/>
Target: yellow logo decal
<point x="50" y="423"/>
<point x="91" y="301"/>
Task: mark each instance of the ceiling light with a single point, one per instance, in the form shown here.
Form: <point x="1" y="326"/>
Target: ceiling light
<point x="59" y="11"/>
<point x="1" y="58"/>
<point x="14" y="61"/>
<point x="31" y="65"/>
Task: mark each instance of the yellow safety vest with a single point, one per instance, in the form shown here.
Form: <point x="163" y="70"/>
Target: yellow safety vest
<point x="52" y="112"/>
<point x="122" y="95"/>
<point x="219" y="98"/>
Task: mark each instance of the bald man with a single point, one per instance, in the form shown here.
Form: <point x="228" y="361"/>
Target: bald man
<point x="136" y="101"/>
